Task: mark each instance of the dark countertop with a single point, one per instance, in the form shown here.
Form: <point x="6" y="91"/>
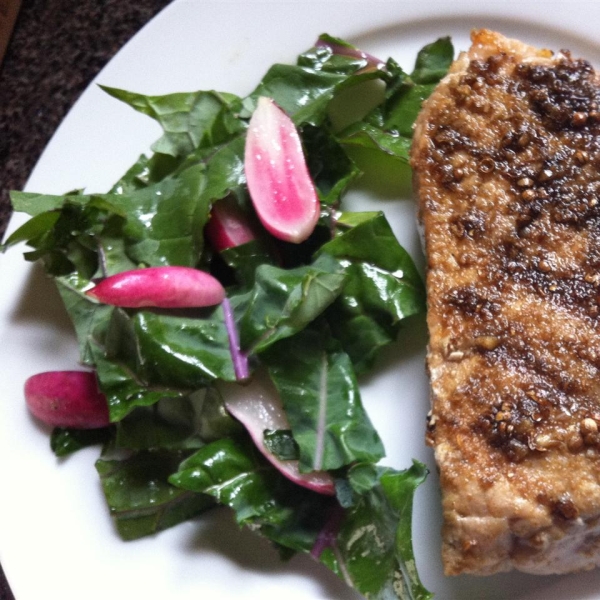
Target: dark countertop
<point x="57" y="48"/>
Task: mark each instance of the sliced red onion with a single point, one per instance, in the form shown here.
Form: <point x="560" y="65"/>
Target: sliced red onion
<point x="279" y="183"/>
<point x="161" y="287"/>
<point x="67" y="399"/>
<point x="258" y="407"/>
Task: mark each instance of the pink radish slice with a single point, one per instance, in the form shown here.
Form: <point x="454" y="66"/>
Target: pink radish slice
<point x="67" y="399"/>
<point x="228" y="226"/>
<point x="280" y="186"/>
<point x="162" y="287"/>
<point x="258" y="407"/>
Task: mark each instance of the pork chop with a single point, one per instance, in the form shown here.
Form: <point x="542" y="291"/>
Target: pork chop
<point x="506" y="160"/>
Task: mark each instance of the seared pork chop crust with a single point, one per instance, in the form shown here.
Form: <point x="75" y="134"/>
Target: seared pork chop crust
<point x="506" y="160"/>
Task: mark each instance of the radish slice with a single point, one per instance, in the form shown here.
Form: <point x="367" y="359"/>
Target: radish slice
<point x="280" y="186"/>
<point x="67" y="399"/>
<point x="162" y="287"/>
<point x="258" y="407"/>
<point x="228" y="226"/>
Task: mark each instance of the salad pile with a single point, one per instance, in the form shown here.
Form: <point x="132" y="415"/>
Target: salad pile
<point x="224" y="345"/>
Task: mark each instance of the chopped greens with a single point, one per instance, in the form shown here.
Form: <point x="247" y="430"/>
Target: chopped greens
<point x="312" y="315"/>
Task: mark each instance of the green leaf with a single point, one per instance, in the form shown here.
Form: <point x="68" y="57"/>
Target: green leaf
<point x="183" y="352"/>
<point x="164" y="220"/>
<point x="246" y="258"/>
<point x="402" y="114"/>
<point x="321" y="398"/>
<point x="283" y="302"/>
<point x="177" y="423"/>
<point x="399" y="490"/>
<point x="158" y="224"/>
<point x="349" y="219"/>
<point x="389" y="127"/>
<point x="374" y="242"/>
<point x="373" y="547"/>
<point x="382" y="288"/>
<point x="375" y="138"/>
<point x="146" y="171"/>
<point x="331" y="168"/>
<point x="67" y="441"/>
<point x="35" y="204"/>
<point x="123" y="389"/>
<point x="433" y="61"/>
<point x="233" y="475"/>
<point x="189" y="120"/>
<point x="38" y="226"/>
<point x="89" y="318"/>
<point x="306" y="89"/>
<point x="147" y="356"/>
<point x="141" y="500"/>
<point x="281" y="443"/>
<point x="170" y="424"/>
<point x="236" y="476"/>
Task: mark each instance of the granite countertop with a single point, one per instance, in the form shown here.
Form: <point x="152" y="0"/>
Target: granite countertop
<point x="57" y="47"/>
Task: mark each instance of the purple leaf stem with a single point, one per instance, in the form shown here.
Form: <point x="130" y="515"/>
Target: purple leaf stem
<point x="327" y="537"/>
<point x="240" y="360"/>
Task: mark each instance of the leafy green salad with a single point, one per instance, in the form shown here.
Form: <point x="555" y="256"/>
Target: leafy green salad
<point x="249" y="399"/>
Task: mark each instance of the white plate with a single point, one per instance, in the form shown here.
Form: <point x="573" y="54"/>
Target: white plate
<point x="56" y="538"/>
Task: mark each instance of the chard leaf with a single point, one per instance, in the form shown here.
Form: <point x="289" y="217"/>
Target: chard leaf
<point x="68" y="242"/>
<point x="372" y="137"/>
<point x="169" y="424"/>
<point x="433" y="61"/>
<point x="320" y="395"/>
<point x="189" y="120"/>
<point x="401" y="115"/>
<point x="331" y="168"/>
<point x="124" y="391"/>
<point x="89" y="318"/>
<point x="148" y="356"/>
<point x="383" y="287"/>
<point x="305" y="90"/>
<point x="155" y="225"/>
<point x="141" y="500"/>
<point x="246" y="258"/>
<point x="281" y="443"/>
<point x="146" y="171"/>
<point x="283" y="302"/>
<point x="35" y="204"/>
<point x="368" y="544"/>
<point x="35" y="229"/>
<point x="372" y="550"/>
<point x="144" y="357"/>
<point x="65" y="441"/>
<point x="164" y="220"/>
<point x="388" y="128"/>
<point x="349" y="219"/>
<point x="183" y="352"/>
<point x="373" y="241"/>
<point x="235" y="475"/>
<point x="176" y="423"/>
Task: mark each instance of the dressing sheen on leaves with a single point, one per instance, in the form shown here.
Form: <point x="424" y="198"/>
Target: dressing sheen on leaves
<point x="311" y="317"/>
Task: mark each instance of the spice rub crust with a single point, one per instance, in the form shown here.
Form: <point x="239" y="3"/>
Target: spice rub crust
<point x="506" y="157"/>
